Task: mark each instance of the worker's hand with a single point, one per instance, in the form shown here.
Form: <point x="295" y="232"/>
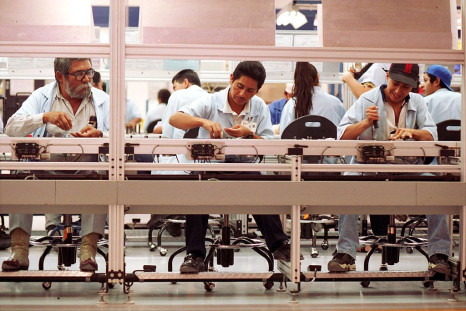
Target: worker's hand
<point x="347" y="76"/>
<point x="59" y="118"/>
<point x="87" y="131"/>
<point x="214" y="128"/>
<point x="238" y="131"/>
<point x="402" y="133"/>
<point x="372" y="114"/>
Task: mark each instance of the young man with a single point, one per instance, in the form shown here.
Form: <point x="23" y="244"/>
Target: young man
<point x="399" y="115"/>
<point x="236" y="112"/>
<point x="443" y="103"/>
<point x="60" y="108"/>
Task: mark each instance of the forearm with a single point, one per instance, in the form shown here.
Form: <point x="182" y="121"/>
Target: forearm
<point x="184" y="121"/>
<point x="353" y="131"/>
<point x="23" y="125"/>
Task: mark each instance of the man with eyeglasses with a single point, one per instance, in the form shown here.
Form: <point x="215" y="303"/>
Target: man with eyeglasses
<point x="62" y="108"/>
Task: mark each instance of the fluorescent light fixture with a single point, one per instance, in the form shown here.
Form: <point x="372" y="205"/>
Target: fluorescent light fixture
<point x="291" y="15"/>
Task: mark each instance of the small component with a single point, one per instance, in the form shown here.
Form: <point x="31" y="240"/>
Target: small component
<point x="374" y="153"/>
<point x="27" y="150"/>
<point x="205" y="151"/>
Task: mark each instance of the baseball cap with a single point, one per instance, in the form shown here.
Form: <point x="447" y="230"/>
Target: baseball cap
<point x="442" y="73"/>
<point x="289" y="88"/>
<point x="406" y="73"/>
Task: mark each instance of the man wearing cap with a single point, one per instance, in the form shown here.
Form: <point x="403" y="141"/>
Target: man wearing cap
<point x="390" y="112"/>
<point x="276" y="107"/>
<point x="442" y="102"/>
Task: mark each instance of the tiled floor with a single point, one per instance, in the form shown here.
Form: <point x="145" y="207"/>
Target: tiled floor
<point x="399" y="295"/>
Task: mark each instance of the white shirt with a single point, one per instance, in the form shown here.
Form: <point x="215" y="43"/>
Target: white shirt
<point x="444" y="105"/>
<point x="155" y="113"/>
<point x="177" y="100"/>
<point x="78" y="120"/>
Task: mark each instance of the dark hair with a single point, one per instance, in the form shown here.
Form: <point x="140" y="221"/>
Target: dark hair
<point x="305" y="78"/>
<point x="163" y="95"/>
<point x="189" y="74"/>
<point x="63" y="65"/>
<point x="432" y="79"/>
<point x="96" y="78"/>
<point x="358" y="74"/>
<point x="251" y="69"/>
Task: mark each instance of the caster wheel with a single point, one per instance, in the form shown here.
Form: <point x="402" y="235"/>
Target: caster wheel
<point x="365" y="284"/>
<point x="152" y="248"/>
<point x="173" y="282"/>
<point x="268" y="284"/>
<point x="314" y="255"/>
<point x="46" y="285"/>
<point x="409" y="250"/>
<point x="163" y="252"/>
<point x="383" y="269"/>
<point x="427" y="284"/>
<point x="209" y="286"/>
<point x="324" y="246"/>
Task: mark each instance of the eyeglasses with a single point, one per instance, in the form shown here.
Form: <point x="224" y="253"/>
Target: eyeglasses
<point x="79" y="75"/>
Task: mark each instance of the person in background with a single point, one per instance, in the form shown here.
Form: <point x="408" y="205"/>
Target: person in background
<point x="400" y="114"/>
<point x="310" y="99"/>
<point x="187" y="88"/>
<point x="98" y="83"/>
<point x="236" y="112"/>
<point x="133" y="115"/>
<point x="156" y="112"/>
<point x="276" y="107"/>
<point x="371" y="75"/>
<point x="62" y="107"/>
<point x="443" y="103"/>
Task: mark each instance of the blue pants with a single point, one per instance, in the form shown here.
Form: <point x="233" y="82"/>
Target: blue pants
<point x="437" y="234"/>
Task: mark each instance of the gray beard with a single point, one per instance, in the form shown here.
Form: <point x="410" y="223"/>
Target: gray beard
<point x="75" y="93"/>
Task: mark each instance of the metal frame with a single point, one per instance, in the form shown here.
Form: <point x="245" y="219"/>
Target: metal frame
<point x="117" y="190"/>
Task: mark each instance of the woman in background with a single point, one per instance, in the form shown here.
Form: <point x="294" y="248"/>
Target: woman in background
<point x="309" y="98"/>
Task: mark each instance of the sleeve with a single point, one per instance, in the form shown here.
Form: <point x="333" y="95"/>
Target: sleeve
<point x="287" y="115"/>
<point x="424" y="119"/>
<point x="27" y="119"/>
<point x="200" y="108"/>
<point x="352" y="116"/>
<point x="264" y="125"/>
<point x="172" y="107"/>
<point x="132" y="111"/>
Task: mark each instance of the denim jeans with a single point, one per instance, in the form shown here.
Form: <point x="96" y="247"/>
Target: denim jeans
<point x="437" y="234"/>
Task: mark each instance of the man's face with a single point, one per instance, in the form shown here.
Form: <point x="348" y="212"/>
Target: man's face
<point x="396" y="91"/>
<point x="242" y="90"/>
<point x="429" y="88"/>
<point x="74" y="88"/>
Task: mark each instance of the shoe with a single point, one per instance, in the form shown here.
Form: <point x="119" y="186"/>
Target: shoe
<point x="283" y="252"/>
<point x="192" y="264"/>
<point x="174" y="229"/>
<point x="341" y="262"/>
<point x="19" y="252"/>
<point x="439" y="264"/>
<point x="88" y="252"/>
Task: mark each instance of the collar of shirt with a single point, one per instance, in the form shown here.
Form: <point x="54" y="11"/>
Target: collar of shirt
<point x="237" y="118"/>
<point x="391" y="123"/>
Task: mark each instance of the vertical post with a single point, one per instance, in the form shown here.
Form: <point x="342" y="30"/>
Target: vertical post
<point x="116" y="154"/>
<point x="295" y="223"/>
<point x="462" y="250"/>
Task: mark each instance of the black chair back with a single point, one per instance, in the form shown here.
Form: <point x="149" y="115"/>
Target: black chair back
<point x="449" y="130"/>
<point x="150" y="127"/>
<point x="191" y="133"/>
<point x="310" y="127"/>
